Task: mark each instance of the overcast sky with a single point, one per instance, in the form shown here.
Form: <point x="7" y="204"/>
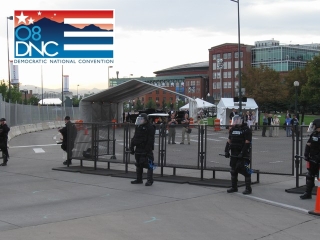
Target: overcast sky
<point x="151" y="35"/>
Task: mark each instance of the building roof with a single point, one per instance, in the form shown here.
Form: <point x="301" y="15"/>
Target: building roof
<point x="50" y="101"/>
<point x="185" y="66"/>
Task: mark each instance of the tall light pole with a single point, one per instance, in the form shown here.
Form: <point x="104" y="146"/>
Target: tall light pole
<point x="239" y="57"/>
<point x="77" y="92"/>
<point x="296" y="85"/>
<point x="108" y="76"/>
<point x="220" y="66"/>
<point x="9" y="91"/>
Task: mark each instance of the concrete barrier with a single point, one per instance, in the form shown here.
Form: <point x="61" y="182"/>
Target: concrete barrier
<point x="30" y="128"/>
<point x="39" y="127"/>
<point x="17" y="130"/>
<point x="45" y="126"/>
<point x="22" y="129"/>
<point x="51" y="125"/>
<point x="57" y="124"/>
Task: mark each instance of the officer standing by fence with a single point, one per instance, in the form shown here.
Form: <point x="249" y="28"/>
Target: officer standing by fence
<point x="239" y="142"/>
<point x="312" y="156"/>
<point x="69" y="134"/>
<point x="4" y="130"/>
<point x="142" y="145"/>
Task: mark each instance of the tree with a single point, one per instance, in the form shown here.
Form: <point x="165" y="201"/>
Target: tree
<point x="34" y="100"/>
<point x="310" y="92"/>
<point x="264" y="85"/>
<point x="138" y="105"/>
<point x="297" y="74"/>
<point x="150" y="104"/>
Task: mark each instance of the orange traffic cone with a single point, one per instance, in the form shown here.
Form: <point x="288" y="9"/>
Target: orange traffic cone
<point x="316" y="210"/>
<point x="86" y="131"/>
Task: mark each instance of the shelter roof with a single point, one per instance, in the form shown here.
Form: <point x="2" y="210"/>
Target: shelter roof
<point x="126" y="91"/>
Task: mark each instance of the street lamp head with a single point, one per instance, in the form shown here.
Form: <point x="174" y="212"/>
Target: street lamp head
<point x="296" y="84"/>
<point x="208" y="94"/>
<point x="110" y="66"/>
<point x="10" y="18"/>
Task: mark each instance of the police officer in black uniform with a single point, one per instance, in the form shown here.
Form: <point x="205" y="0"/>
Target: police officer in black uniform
<point x="239" y="142"/>
<point x="4" y="130"/>
<point x="312" y="155"/>
<point x="69" y="134"/>
<point x="142" y="145"/>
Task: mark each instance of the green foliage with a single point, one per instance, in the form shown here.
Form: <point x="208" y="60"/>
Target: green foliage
<point x="138" y="105"/>
<point x="150" y="104"/>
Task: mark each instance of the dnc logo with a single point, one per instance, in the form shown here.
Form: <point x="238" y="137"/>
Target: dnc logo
<point x="63" y="36"/>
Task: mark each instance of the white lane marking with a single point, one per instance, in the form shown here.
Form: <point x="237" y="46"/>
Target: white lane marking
<point x="35" y="146"/>
<point x="38" y="150"/>
<point x="276" y="203"/>
<point x="276" y="162"/>
<point x="217" y="140"/>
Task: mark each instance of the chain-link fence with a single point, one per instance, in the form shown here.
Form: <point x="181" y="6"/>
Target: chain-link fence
<point x="18" y="114"/>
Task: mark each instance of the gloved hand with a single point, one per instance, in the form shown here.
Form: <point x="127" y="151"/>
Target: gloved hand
<point x="132" y="150"/>
<point x="240" y="155"/>
<point x="227" y="154"/>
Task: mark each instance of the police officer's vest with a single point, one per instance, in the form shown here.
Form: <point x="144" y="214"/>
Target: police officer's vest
<point x="237" y="137"/>
<point x="315" y="144"/>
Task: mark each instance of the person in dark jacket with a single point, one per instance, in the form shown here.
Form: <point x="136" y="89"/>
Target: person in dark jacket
<point x="239" y="142"/>
<point x="312" y="156"/>
<point x="4" y="130"/>
<point x="69" y="134"/>
<point x="142" y="146"/>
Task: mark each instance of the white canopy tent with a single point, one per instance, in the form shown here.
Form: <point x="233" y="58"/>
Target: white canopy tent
<point x="225" y="106"/>
<point x="50" y="101"/>
<point x="200" y="104"/>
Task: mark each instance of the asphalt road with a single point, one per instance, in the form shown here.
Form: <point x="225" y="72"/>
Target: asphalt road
<point x="37" y="202"/>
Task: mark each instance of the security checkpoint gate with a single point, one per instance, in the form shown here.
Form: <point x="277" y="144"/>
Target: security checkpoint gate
<point x="109" y="143"/>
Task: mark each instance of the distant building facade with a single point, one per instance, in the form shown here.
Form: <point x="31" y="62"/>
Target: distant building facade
<point x="219" y="77"/>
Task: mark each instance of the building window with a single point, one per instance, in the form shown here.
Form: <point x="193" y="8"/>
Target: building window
<point x="214" y="57"/>
<point x="236" y="54"/>
<point x="214" y="75"/>
<point x="225" y="85"/>
<point x="218" y="85"/>
<point x="225" y="55"/>
<point x="214" y="85"/>
<point x="229" y="74"/>
<point x="229" y="55"/>
<point x="214" y="66"/>
<point x="225" y="74"/>
<point x="218" y="74"/>
<point x="157" y="91"/>
<point x="236" y="74"/>
<point x="229" y="65"/>
<point x="229" y="84"/>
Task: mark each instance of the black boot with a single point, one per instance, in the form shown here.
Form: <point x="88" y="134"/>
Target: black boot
<point x="139" y="172"/>
<point x="67" y="162"/>
<point x="5" y="160"/>
<point x="149" y="177"/>
<point x="248" y="189"/>
<point x="234" y="185"/>
<point x="308" y="193"/>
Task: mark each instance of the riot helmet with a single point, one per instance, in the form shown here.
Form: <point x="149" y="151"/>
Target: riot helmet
<point x="236" y="120"/>
<point x="314" y="125"/>
<point x="141" y="119"/>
